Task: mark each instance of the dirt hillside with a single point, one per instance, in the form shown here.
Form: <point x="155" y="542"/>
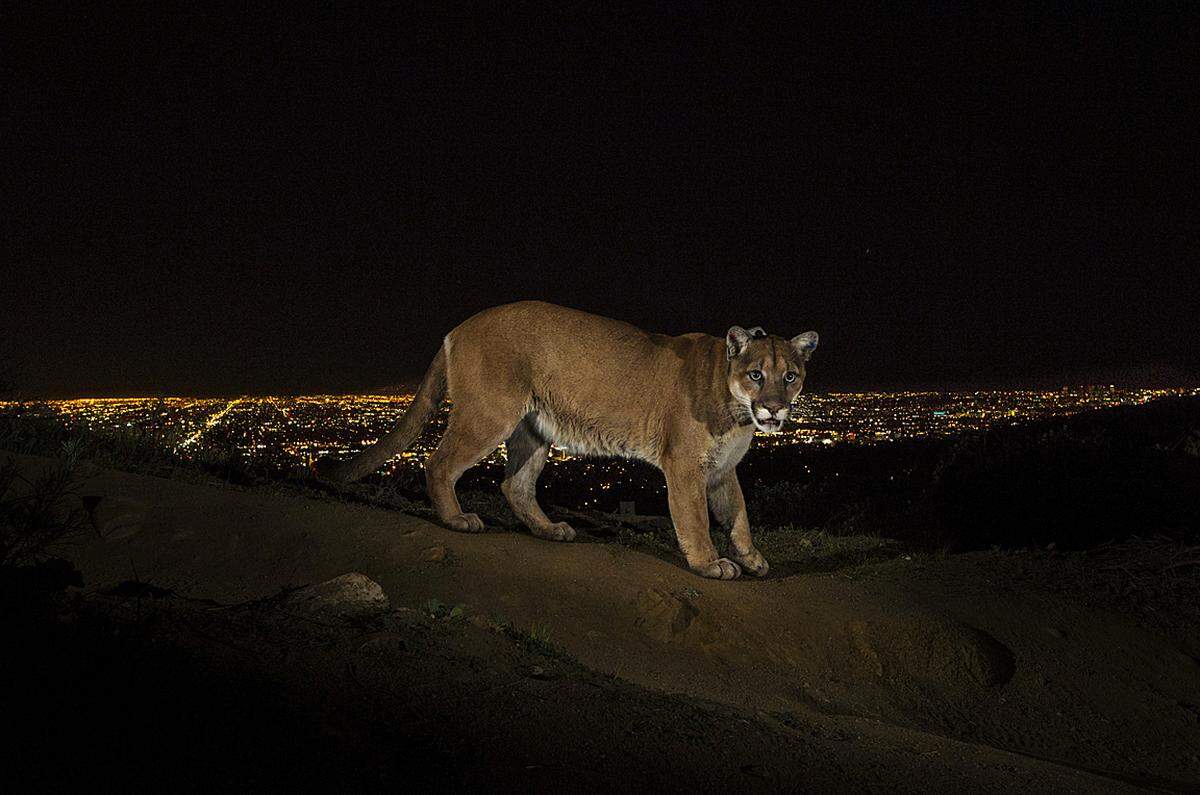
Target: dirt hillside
<point x="942" y="669"/>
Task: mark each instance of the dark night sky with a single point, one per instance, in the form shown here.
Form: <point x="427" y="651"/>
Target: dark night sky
<point x="206" y="204"/>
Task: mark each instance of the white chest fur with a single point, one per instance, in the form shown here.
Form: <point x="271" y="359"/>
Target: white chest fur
<point x="727" y="450"/>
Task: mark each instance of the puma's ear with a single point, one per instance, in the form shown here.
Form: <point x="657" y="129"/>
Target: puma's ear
<point x="805" y="344"/>
<point x="736" y="340"/>
<point x="757" y="331"/>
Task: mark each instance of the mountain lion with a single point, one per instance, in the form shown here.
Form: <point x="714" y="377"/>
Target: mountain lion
<point x="532" y="374"/>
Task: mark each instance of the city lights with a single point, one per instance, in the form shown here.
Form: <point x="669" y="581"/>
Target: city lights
<point x="292" y="431"/>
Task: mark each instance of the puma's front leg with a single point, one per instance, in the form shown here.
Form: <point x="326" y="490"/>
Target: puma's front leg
<point x="689" y="513"/>
<point x="729" y="508"/>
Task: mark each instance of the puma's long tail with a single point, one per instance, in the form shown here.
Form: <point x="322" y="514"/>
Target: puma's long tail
<point x="429" y="396"/>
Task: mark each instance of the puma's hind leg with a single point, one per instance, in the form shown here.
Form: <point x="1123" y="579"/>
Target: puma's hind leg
<point x="476" y="428"/>
<point x="527" y="452"/>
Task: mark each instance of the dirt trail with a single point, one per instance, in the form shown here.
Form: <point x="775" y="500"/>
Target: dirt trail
<point x="937" y="658"/>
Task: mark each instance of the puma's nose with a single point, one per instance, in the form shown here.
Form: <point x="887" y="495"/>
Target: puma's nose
<point x="774" y="406"/>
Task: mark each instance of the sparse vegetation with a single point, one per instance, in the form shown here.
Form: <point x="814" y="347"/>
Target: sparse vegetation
<point x="660" y="541"/>
<point x="37" y="513"/>
<point x="536" y="640"/>
<point x="794" y="550"/>
<point x="1158" y="579"/>
<point x="437" y="609"/>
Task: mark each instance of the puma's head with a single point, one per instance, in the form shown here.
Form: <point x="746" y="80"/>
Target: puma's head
<point x="767" y="372"/>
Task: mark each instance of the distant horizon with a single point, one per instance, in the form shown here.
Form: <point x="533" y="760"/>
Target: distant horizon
<point x="823" y="377"/>
<point x="398" y="392"/>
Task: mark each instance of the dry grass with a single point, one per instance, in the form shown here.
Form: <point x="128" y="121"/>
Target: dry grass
<point x="1155" y="580"/>
<point x="1158" y="564"/>
<point x="36" y="514"/>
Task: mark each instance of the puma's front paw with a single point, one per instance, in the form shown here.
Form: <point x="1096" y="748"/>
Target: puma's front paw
<point x="753" y="563"/>
<point x="719" y="569"/>
<point x="559" y="531"/>
<point x="465" y="523"/>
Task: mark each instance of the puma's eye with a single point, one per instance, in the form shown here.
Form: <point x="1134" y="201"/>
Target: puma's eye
<point x="755" y="375"/>
<point x="789" y="376"/>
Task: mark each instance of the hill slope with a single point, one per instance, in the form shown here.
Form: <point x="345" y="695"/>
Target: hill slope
<point x="932" y="672"/>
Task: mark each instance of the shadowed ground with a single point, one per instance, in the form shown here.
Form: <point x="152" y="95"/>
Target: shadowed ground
<point x="924" y="673"/>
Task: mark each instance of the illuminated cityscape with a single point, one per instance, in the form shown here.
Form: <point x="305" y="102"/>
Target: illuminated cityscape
<point x="290" y="431"/>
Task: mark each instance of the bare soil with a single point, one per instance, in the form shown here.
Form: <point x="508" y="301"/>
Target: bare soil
<point x="507" y="661"/>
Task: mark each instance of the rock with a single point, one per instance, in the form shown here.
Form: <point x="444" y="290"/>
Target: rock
<point x="115" y="518"/>
<point x="434" y="554"/>
<point x="989" y="661"/>
<point x="1056" y="632"/>
<point x="937" y="651"/>
<point x="347" y="595"/>
<point x="536" y="672"/>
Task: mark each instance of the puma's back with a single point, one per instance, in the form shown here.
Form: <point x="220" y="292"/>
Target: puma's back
<point x="597" y="385"/>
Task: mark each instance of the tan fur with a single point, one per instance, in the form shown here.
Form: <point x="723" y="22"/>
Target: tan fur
<point x="530" y="374"/>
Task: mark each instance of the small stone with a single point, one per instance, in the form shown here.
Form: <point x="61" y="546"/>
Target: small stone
<point x="1056" y="632"/>
<point x="349" y="594"/>
<point x="434" y="554"/>
<point x="537" y="672"/>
